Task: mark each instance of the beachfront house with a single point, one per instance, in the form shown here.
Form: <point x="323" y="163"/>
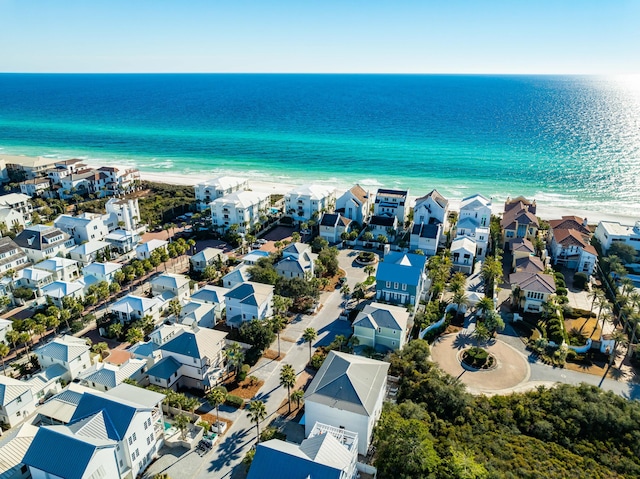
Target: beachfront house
<point x="519" y="219"/>
<point x="463" y="253"/>
<point x="347" y="392"/>
<point x="67" y="351"/>
<point x="392" y="203"/>
<point x="248" y="301"/>
<point x="432" y="208"/>
<point x="28" y="166"/>
<point x="354" y="204"/>
<point x="242" y="208"/>
<point x="400" y="278"/>
<point x="610" y="232"/>
<point x="84" y="227"/>
<point x="12" y="257"/>
<point x="531" y="290"/>
<point x="382" y="326"/>
<point x="307" y="202"/>
<point x="215" y="188"/>
<point x="208" y="257"/>
<point x="569" y="242"/>
<point x="41" y="242"/>
<point x="114" y="434"/>
<point x="333" y="225"/>
<point x="117" y="180"/>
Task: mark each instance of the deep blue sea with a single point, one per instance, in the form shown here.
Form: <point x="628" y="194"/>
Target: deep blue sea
<point x="568" y="141"/>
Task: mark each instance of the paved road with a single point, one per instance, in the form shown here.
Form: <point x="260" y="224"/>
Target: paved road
<point x="237" y="441"/>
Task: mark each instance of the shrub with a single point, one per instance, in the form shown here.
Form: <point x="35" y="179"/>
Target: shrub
<point x="558" y="276"/>
<point x="561" y="291"/>
<point x="571" y="355"/>
<point x="581" y="281"/>
<point x="316" y="361"/>
<point x="560" y="283"/>
<point x="244" y="370"/>
<point x="272" y="433"/>
<point x="234" y="401"/>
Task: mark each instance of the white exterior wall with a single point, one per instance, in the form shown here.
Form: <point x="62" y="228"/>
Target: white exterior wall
<point x="363" y="425"/>
<point x="209" y="191"/>
<point x="35" y="255"/>
<point x="249" y="312"/>
<point x="144" y="446"/>
<point x="304" y="205"/>
<point x="17" y="260"/>
<point x="421" y="212"/>
<point x="357" y="214"/>
<point x="128" y="212"/>
<point x="13" y="218"/>
<point x="227" y="211"/>
<point x="18" y="409"/>
<point x="73" y="368"/>
<point x="428" y="245"/>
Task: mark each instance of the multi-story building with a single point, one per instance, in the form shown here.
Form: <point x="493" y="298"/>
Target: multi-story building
<point x="248" y="301"/>
<point x="125" y="214"/>
<point x="35" y="186"/>
<point x="306" y="202"/>
<point x="28" y="166"/>
<point x="569" y="243"/>
<point x="18" y="202"/>
<point x="382" y="326"/>
<point x="133" y="308"/>
<point x="11" y="256"/>
<point x="610" y="232"/>
<point x="63" y="269"/>
<point x="392" y="203"/>
<point x="519" y="219"/>
<point x="41" y="242"/>
<point x="432" y="208"/>
<point x="177" y="285"/>
<point x="215" y="188"/>
<point x="84" y="227"/>
<point x="16" y="401"/>
<point x="118" y="180"/>
<point x="400" y="278"/>
<point x="242" y="208"/>
<point x="354" y="204"/>
<point x="69" y="352"/>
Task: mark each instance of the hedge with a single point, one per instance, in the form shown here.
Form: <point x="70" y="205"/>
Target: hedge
<point x="234" y="401"/>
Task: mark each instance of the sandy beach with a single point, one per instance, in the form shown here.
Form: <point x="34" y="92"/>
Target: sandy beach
<point x="546" y="212"/>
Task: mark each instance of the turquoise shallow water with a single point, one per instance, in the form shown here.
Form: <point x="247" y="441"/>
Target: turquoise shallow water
<point x="567" y="141"/>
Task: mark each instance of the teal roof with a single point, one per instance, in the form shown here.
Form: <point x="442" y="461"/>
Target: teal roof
<point x="404" y="268"/>
<point x="184" y="343"/>
<point x="165" y="368"/>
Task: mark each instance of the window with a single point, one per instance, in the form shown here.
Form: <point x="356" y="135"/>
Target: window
<point x="130" y="441"/>
<point x="404" y="287"/>
<point x="137" y="452"/>
<point x="395" y="285"/>
<point x="388" y="284"/>
<point x="133" y="456"/>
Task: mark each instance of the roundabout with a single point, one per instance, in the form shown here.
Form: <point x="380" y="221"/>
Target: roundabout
<point x="509" y="369"/>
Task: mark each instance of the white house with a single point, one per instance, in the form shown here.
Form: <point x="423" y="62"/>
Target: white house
<point x="11" y="256"/>
<point x="33" y="278"/>
<point x="354" y="204"/>
<point x="30" y="166"/>
<point x="212" y="295"/>
<point x="195" y="313"/>
<point x="144" y="250"/>
<point x="468" y="227"/>
<point x="12" y="452"/>
<point x="382" y="326"/>
<point x="117" y="180"/>
<point x="425" y="237"/>
<point x="347" y="392"/>
<point x="609" y="232"/>
<point x="215" y="188"/>
<point x="242" y="208"/>
<point x="103" y="376"/>
<point x="383" y="225"/>
<point x="328" y="452"/>
<point x="63" y="269"/>
<point x="132" y="308"/>
<point x="392" y="203"/>
<point x="476" y="207"/>
<point x="297" y="261"/>
<point x="115" y="434"/>
<point x="5" y="326"/>
<point x="123" y="240"/>
<point x="84" y="227"/>
<point x="236" y="276"/>
<point x="126" y="213"/>
<point x="58" y="290"/>
<point x="306" y="202"/>
<point x="68" y="351"/>
<point x="11" y="219"/>
<point x="332" y="225"/>
<point x="18" y="202"/>
<point x="175" y="284"/>
<point x="208" y="257"/>
<point x="463" y="252"/>
<point x="16" y="401"/>
<point x="4" y="172"/>
<point x="248" y="301"/>
<point x="41" y="242"/>
<point x="90" y="251"/>
<point x="431" y="208"/>
<point x="102" y="271"/>
<point x="531" y="290"/>
<point x="193" y="358"/>
<point x="569" y="243"/>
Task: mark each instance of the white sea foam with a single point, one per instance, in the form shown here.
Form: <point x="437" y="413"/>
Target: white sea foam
<point x="370" y="182"/>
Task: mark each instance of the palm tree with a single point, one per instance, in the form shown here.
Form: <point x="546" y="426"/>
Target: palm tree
<point x="603" y="305"/>
<point x="459" y="299"/>
<point x="4" y="350"/>
<point x="618" y="338"/>
<point x="480" y="334"/>
<point x="369" y="270"/>
<point x="134" y="335"/>
<point x="216" y="397"/>
<point x="100" y="348"/>
<point x="626" y="285"/>
<point x="485" y="305"/>
<point x="297" y="396"/>
<point x="65" y="315"/>
<point x="13" y="337"/>
<point x="257" y="412"/>
<point x="288" y="380"/>
<point x="182" y="423"/>
<point x="309" y="335"/>
<point x="278" y="323"/>
<point x="340" y="339"/>
<point x="595" y="295"/>
<point x="234" y="356"/>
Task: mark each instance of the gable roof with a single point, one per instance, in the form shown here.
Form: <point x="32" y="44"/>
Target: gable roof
<point x="474" y="202"/>
<point x="151" y="245"/>
<point x="207" y="254"/>
<point x="89" y="247"/>
<point x="61" y="289"/>
<point x="12" y="452"/>
<point x="435" y="196"/>
<point x="165" y="368"/>
<point x="55" y="264"/>
<point x="40" y="237"/>
<point x="359" y="193"/>
<point x="529" y="264"/>
<point x="101" y="269"/>
<point x="140" y="396"/>
<point x="569" y="237"/>
<point x="132" y="303"/>
<point x="463" y="243"/>
<point x="348" y="382"/>
<point x="66" y="348"/>
<point x="210" y="294"/>
<point x="52" y="446"/>
<point x="570" y="222"/>
<point x="522" y="245"/>
<point x="377" y="315"/>
<point x="110" y="375"/>
<point x="170" y="280"/>
<point x="197" y="343"/>
<point x="250" y="293"/>
<point x="10" y="389"/>
<point x="120" y="412"/>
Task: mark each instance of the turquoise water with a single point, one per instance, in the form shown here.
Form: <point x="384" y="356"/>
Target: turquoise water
<point x="572" y="142"/>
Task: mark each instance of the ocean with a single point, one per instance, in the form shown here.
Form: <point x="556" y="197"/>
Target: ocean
<point x="567" y="141"/>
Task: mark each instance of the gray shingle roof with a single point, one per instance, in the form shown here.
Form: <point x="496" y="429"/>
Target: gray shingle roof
<point x="348" y="382"/>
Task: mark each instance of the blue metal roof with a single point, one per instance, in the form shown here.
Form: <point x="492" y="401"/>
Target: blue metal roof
<point x="144" y="349"/>
<point x="269" y="463"/>
<point x="184" y="343"/>
<point x="120" y="414"/>
<point x="401" y="268"/>
<point x="59" y="454"/>
<point x="165" y="368"/>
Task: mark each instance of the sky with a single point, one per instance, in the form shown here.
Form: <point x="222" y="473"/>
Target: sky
<point x="324" y="36"/>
